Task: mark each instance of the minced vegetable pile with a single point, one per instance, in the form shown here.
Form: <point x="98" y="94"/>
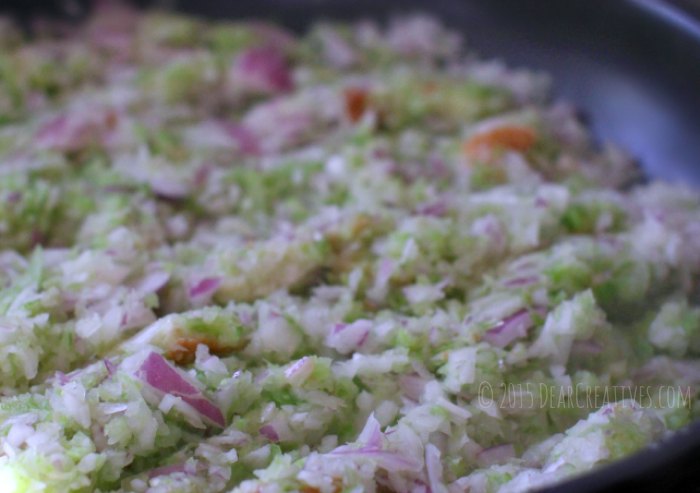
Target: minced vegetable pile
<point x="233" y="259"/>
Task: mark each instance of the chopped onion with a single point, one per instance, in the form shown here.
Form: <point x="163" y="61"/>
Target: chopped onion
<point x="336" y="50"/>
<point x="300" y="370"/>
<point x="62" y="134"/>
<point x="152" y="282"/>
<point x="205" y="288"/>
<point x="385" y="271"/>
<point x="246" y="141"/>
<point x="261" y="70"/>
<point x="412" y="386"/>
<point x="347" y="338"/>
<point x="169" y="188"/>
<point x="162" y="376"/>
<point x="14" y="197"/>
<point x="75" y="131"/>
<point x="435" y="209"/>
<point x="390" y="461"/>
<point x="111" y="367"/>
<point x="433" y="467"/>
<point x="166" y="470"/>
<point x="664" y="367"/>
<point x="511" y="328"/>
<point x="61" y="378"/>
<point x="589" y="347"/>
<point x="491" y="227"/>
<point x="269" y="432"/>
<point x="517" y="282"/>
<point x="371" y="434"/>
<point x="372" y="448"/>
<point x="425" y="293"/>
<point x="496" y="455"/>
<point x="114" y="408"/>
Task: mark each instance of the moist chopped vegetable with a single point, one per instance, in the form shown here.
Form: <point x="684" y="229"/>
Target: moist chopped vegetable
<point x="233" y="259"/>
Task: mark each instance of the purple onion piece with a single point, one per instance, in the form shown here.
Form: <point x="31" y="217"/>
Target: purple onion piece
<point x="269" y="432"/>
<point x="510" y="329"/>
<point x="162" y="376"/>
<point x="166" y="470"/>
<point x="205" y="287"/>
<point x="496" y="455"/>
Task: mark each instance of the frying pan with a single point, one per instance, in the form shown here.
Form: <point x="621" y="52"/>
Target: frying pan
<point x="631" y="66"/>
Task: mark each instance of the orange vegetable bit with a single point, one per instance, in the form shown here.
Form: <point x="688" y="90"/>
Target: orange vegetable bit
<point x="186" y="348"/>
<point x="309" y="489"/>
<point x="508" y="137"/>
<point x="337" y="487"/>
<point x="111" y="119"/>
<point x="430" y="87"/>
<point x="356" y="102"/>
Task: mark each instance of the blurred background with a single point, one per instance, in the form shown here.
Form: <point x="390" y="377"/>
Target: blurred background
<point x="631" y="66"/>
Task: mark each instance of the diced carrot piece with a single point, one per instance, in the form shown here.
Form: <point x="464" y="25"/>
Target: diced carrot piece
<point x="111" y="120"/>
<point x="337" y="487"/>
<point x="309" y="489"/>
<point x="187" y="348"/>
<point x="509" y="137"/>
<point x="430" y="87"/>
<point x="356" y="102"/>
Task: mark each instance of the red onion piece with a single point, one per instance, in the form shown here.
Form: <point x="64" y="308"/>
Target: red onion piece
<point x="58" y="133"/>
<point x="111" y="367"/>
<point x="168" y="188"/>
<point x="261" y="70"/>
<point x="433" y="467"/>
<point x="152" y="282"/>
<point x="512" y="328"/>
<point x="438" y="168"/>
<point x="589" y="347"/>
<point x="688" y="370"/>
<point x="662" y="367"/>
<point x="293" y="125"/>
<point x="491" y="227"/>
<point x="346" y="338"/>
<point x="162" y="376"/>
<point x="246" y="141"/>
<point x="336" y="50"/>
<point x="61" y="378"/>
<point x="496" y="455"/>
<point x="202" y="175"/>
<point x="435" y="209"/>
<point x="391" y="461"/>
<point x="113" y="41"/>
<point x="518" y="282"/>
<point x="412" y="386"/>
<point x="372" y="447"/>
<point x="205" y="287"/>
<point x="371" y="435"/>
<point x="300" y="370"/>
<point x="269" y="432"/>
<point x="386" y="268"/>
<point x="14" y="197"/>
<point x="75" y="131"/>
<point x="166" y="470"/>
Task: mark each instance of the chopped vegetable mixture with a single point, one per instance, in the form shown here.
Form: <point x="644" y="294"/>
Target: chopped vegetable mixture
<point x="234" y="259"/>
